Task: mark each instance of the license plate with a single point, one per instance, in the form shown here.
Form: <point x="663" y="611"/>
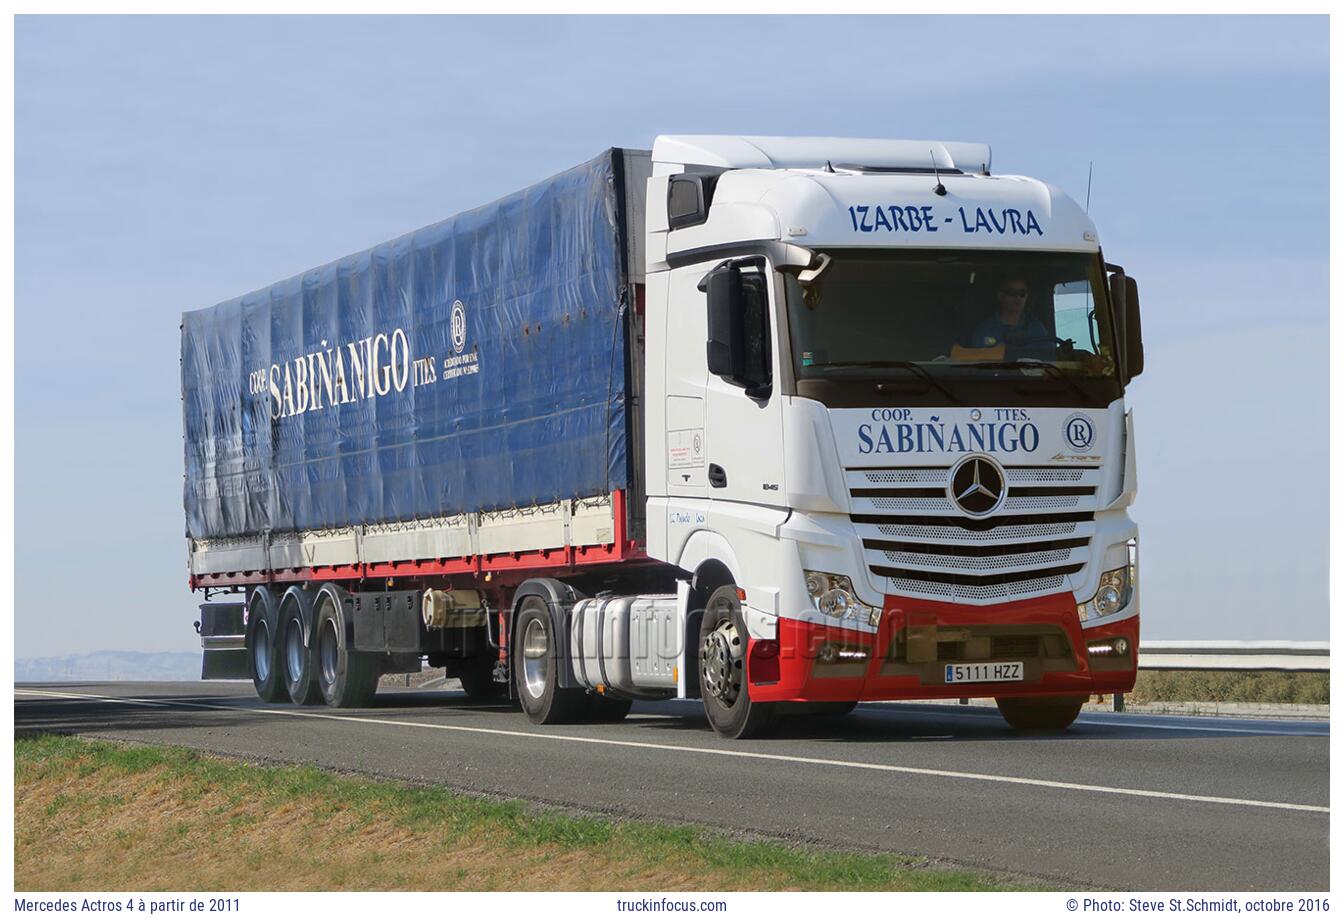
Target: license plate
<point x="983" y="673"/>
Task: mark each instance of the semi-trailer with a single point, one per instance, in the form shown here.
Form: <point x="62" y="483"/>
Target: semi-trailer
<point x="782" y="424"/>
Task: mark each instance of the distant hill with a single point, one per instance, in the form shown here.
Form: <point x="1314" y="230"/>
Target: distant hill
<point x="111" y="666"/>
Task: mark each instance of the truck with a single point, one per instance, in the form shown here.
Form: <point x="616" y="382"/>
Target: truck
<point x="782" y="424"/>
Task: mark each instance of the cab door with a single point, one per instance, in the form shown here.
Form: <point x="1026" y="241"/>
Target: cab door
<point x="744" y="438"/>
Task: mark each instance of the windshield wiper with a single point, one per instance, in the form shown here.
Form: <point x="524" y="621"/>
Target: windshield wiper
<point x="895" y="365"/>
<point x="1025" y="363"/>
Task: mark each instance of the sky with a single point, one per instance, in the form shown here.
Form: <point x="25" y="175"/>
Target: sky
<point x="164" y="164"/>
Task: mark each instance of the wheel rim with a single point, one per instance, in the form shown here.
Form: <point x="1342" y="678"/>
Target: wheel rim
<point x="261" y="651"/>
<point x="721" y="663"/>
<point x="536" y="658"/>
<point x="294" y="649"/>
<point x="328" y="652"/>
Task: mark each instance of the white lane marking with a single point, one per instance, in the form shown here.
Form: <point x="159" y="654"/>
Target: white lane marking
<point x="687" y="749"/>
<point x="1125" y="723"/>
<point x="1122" y="721"/>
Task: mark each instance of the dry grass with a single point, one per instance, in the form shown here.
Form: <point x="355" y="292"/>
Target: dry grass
<point x="99" y="816"/>
<point x="1232" y="687"/>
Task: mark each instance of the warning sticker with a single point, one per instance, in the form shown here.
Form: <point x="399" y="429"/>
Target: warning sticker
<point x="685" y="448"/>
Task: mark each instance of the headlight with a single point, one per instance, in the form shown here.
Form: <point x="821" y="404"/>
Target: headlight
<point x="833" y="596"/>
<point x="1114" y="592"/>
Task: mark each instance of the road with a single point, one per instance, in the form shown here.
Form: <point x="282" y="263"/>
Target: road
<point x="1121" y="801"/>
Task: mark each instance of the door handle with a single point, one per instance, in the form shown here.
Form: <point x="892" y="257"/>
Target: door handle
<point x="717" y="477"/>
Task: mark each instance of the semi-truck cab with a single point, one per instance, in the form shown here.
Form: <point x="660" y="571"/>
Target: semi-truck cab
<point x="905" y="440"/>
<point x="870" y="419"/>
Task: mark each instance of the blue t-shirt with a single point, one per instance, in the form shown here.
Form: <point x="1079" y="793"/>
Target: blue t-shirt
<point x="1026" y="337"/>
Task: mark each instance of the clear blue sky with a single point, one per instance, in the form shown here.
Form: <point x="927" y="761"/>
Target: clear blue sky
<point x="165" y="164"/>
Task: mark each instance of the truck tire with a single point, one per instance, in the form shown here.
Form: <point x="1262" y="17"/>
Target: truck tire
<point x="347" y="678"/>
<point x="723" y="672"/>
<point x="296" y="653"/>
<point x="536" y="667"/>
<point x="478" y="679"/>
<point x="263" y="648"/>
<point x="1040" y="713"/>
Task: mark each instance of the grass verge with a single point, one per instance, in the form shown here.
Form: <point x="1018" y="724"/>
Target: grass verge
<point x="94" y="815"/>
<point x="1232" y="687"/>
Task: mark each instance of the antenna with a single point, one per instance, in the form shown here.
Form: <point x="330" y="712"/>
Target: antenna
<point x="1087" y="207"/>
<point x="829" y="167"/>
<point x="938" y="189"/>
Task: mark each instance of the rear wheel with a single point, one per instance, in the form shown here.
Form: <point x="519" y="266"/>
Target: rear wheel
<point x="263" y="649"/>
<point x="347" y="678"/>
<point x="723" y="670"/>
<point x="536" y="668"/>
<point x="299" y="667"/>
<point x="1040" y="713"/>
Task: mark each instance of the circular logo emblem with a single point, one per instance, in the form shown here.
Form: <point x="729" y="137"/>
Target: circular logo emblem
<point x="978" y="486"/>
<point x="1079" y="431"/>
<point x="459" y="327"/>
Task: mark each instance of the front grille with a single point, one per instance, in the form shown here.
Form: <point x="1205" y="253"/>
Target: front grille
<point x="918" y="539"/>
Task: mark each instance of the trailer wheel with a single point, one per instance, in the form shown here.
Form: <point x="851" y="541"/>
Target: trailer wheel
<point x="1040" y="713"/>
<point x="723" y="672"/>
<point x="536" y="667"/>
<point x="607" y="708"/>
<point x="296" y="652"/>
<point x="263" y="648"/>
<point x="347" y="678"/>
<point x="478" y="679"/>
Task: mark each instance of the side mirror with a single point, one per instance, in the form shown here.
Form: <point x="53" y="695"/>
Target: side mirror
<point x="1133" y="331"/>
<point x="1119" y="287"/>
<point x="738" y="349"/>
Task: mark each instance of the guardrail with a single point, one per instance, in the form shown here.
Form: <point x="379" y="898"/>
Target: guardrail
<point x="1234" y="656"/>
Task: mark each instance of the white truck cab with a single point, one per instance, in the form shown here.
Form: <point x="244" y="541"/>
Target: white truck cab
<point x="884" y="400"/>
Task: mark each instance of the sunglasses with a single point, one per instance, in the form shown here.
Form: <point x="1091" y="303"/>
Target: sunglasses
<point x="1013" y="292"/>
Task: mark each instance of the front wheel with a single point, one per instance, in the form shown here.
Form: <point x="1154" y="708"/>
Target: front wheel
<point x="1040" y="713"/>
<point x="723" y="669"/>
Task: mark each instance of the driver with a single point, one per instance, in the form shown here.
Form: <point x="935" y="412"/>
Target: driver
<point x="1011" y="325"/>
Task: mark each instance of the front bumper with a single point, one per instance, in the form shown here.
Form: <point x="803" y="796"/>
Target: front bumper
<point x="906" y="658"/>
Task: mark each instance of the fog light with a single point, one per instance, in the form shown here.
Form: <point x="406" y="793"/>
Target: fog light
<point x="1111" y="648"/>
<point x="827" y="654"/>
<point x="853" y="654"/>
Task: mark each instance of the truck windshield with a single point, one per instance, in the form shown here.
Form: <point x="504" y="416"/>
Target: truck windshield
<point x="962" y="319"/>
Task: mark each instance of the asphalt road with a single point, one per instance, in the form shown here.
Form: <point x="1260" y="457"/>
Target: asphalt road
<point x="1121" y="801"/>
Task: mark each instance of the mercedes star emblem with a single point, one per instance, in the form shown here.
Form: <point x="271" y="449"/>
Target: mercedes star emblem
<point x="977" y="486"/>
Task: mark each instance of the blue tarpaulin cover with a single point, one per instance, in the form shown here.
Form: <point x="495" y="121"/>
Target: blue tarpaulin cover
<point x="476" y="364"/>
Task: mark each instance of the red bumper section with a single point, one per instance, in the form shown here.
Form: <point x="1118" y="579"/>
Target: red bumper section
<point x="906" y="658"/>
